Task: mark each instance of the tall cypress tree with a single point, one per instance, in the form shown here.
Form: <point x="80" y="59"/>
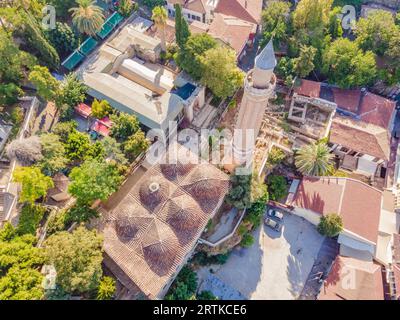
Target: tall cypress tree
<point x="182" y="32"/>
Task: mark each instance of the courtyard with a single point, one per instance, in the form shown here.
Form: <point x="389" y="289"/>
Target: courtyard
<point x="275" y="267"/>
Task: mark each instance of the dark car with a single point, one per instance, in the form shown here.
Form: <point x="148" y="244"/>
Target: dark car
<point x="275" y="214"/>
<point x="273" y="224"/>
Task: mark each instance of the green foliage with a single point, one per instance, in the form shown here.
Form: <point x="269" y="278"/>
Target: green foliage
<point x="126" y="7"/>
<point x="375" y="32"/>
<point x="313" y="159"/>
<point x="8" y="232"/>
<point x="101" y="109"/>
<point x="29" y="220"/>
<point x="53" y="152"/>
<point x="184" y="286"/>
<point x="106" y="289"/>
<point x="335" y="29"/>
<point x="274" y="21"/>
<point x="21" y="284"/>
<point x="13" y="61"/>
<point x="276" y="156"/>
<point x="136" y="144"/>
<point x="77" y="258"/>
<point x="34" y="183"/>
<point x="330" y="225"/>
<point x="346" y="65"/>
<point x="17" y="116"/>
<point x="246" y="189"/>
<point x="72" y="91"/>
<point x="153" y="3"/>
<point x="206" y="295"/>
<point x="277" y="187"/>
<point x="124" y="125"/>
<point x="247" y="240"/>
<point x="57" y="221"/>
<point x="304" y="63"/>
<point x="19" y="263"/>
<point x="221" y="73"/>
<point x="46" y="85"/>
<point x="312" y="15"/>
<point x="182" y="32"/>
<point x="9" y="93"/>
<point x="93" y="180"/>
<point x="88" y="18"/>
<point x="81" y="213"/>
<point x="62" y="38"/>
<point x="77" y="145"/>
<point x="96" y="151"/>
<point x="255" y="213"/>
<point x="189" y="58"/>
<point x="112" y="150"/>
<point x="284" y="69"/>
<point x="203" y="259"/>
<point x="64" y="129"/>
<point x="37" y="40"/>
<point x="62" y="6"/>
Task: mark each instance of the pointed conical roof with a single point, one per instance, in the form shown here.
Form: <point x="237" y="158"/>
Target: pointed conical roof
<point x="266" y="58"/>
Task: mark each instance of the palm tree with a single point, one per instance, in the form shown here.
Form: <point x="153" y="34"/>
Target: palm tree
<point x="88" y="17"/>
<point x="314" y="159"/>
<point x="159" y="16"/>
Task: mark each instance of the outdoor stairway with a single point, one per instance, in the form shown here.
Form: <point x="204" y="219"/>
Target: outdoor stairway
<point x="2" y="201"/>
<point x="205" y="115"/>
<point x="392" y="282"/>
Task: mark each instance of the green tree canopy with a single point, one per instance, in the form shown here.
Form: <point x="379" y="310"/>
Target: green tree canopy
<point x="304" y="64"/>
<point x="374" y="33"/>
<point x="34" y="183"/>
<point x="72" y="91"/>
<point x="64" y="129"/>
<point x="182" y="32"/>
<point x="62" y="38"/>
<point x="221" y="73"/>
<point x="330" y="225"/>
<point x="113" y="150"/>
<point x="88" y="18"/>
<point x="101" y="109"/>
<point x="277" y="187"/>
<point x="46" y="85"/>
<point x="188" y="58"/>
<point x="53" y="152"/>
<point x="136" y="144"/>
<point x="77" y="145"/>
<point x="77" y="258"/>
<point x="313" y="159"/>
<point x="347" y="65"/>
<point x="275" y="19"/>
<point x="93" y="180"/>
<point x="124" y="125"/>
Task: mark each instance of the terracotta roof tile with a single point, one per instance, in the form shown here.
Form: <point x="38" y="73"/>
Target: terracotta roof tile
<point x="358" y="204"/>
<point x="376" y="110"/>
<point x="248" y="10"/>
<point x="157" y="223"/>
<point x="364" y="139"/>
<point x="231" y="30"/>
<point x="367" y="283"/>
<point x="308" y="88"/>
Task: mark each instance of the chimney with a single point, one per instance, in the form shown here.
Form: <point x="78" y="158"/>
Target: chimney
<point x="158" y="107"/>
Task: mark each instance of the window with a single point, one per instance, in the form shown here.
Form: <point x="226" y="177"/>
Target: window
<point x="344" y="149"/>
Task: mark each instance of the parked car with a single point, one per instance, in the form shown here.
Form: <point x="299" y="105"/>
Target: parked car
<point x="273" y="224"/>
<point x="275" y="214"/>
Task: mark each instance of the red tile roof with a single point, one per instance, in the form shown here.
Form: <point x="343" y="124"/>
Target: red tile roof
<point x="248" y="10"/>
<point x="377" y="110"/>
<point x="347" y="99"/>
<point x="232" y="31"/>
<point x="357" y="203"/>
<point x="353" y="279"/>
<point x="364" y="139"/>
<point x="102" y="126"/>
<point x="308" y="88"/>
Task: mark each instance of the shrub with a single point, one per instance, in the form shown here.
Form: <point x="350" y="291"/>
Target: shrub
<point x="247" y="240"/>
<point x="62" y="38"/>
<point x="276" y="156"/>
<point x="106" y="289"/>
<point x="203" y="259"/>
<point x="58" y="221"/>
<point x="277" y="187"/>
<point x="81" y="213"/>
<point x="29" y="220"/>
<point x="184" y="286"/>
<point x="330" y="225"/>
<point x="206" y="295"/>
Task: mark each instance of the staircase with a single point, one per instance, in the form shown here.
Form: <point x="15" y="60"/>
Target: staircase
<point x="391" y="282"/>
<point x="2" y="201"/>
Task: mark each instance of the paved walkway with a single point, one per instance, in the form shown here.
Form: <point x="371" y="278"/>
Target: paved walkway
<point x="277" y="266"/>
<point x="224" y="227"/>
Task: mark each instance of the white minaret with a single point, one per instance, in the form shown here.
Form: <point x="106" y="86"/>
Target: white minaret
<point x="259" y="86"/>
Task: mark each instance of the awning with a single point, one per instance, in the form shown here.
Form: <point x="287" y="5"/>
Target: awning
<point x="84" y="110"/>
